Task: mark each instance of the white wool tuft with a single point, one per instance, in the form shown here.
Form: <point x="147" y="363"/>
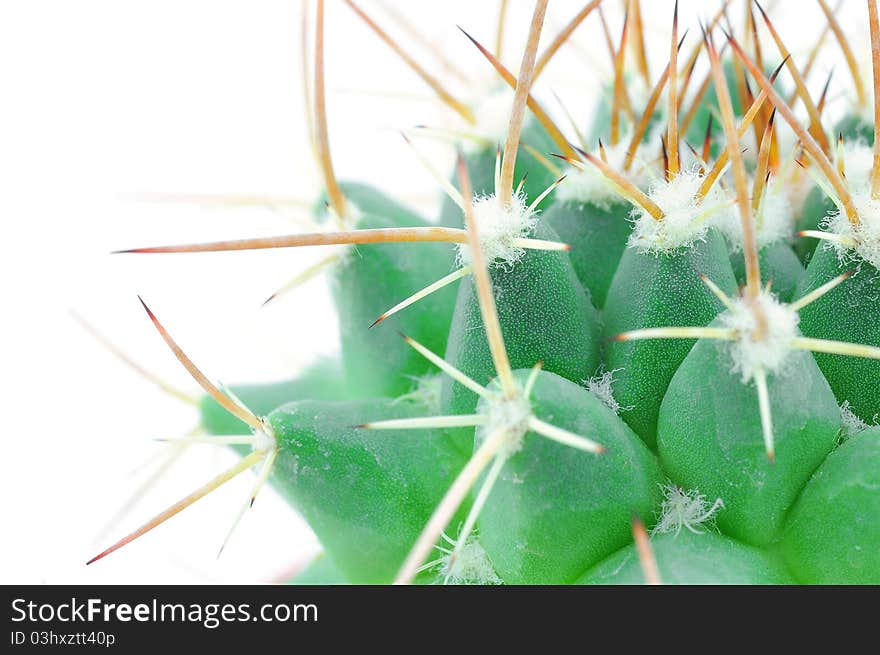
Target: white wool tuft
<point x="852" y="424"/>
<point x="492" y="116"/>
<point x="498" y="225"/>
<point x="428" y="390"/>
<point x="264" y="439"/>
<point x="685" y="220"/>
<point x="600" y="385"/>
<point x="511" y="415"/>
<point x="685" y="509"/>
<point x="471" y="566"/>
<point x="866" y="233"/>
<point x="588" y="184"/>
<point x="774" y="222"/>
<point x="770" y="352"/>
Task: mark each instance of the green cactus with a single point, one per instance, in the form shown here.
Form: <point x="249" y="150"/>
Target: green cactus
<point x="611" y="407"/>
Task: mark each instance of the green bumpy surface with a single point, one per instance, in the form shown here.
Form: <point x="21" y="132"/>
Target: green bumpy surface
<point x="709" y="437"/>
<point x="654" y="291"/>
<point x="556" y="510"/>
<point x="847" y="313"/>
<point x="545" y="316"/>
<point x="600" y="234"/>
<point x="367" y="494"/>
<point x="779" y="265"/>
<point x="833" y="533"/>
<point x="556" y="514"/>
<point x="560" y="515"/>
<point x="688" y="558"/>
<point x="372" y="279"/>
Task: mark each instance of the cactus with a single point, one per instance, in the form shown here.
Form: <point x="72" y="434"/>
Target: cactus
<point x="614" y="367"/>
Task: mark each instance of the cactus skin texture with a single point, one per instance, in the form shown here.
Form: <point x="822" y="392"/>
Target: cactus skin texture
<point x="832" y="535"/>
<point x="366" y="495"/>
<point x="759" y="479"/>
<point x="709" y="438"/>
<point x="602" y="233"/>
<point x="365" y="284"/>
<point x="575" y="507"/>
<point x="848" y="313"/>
<point x="693" y="559"/>
<point x="654" y="291"/>
<point x="545" y="313"/>
<point x="780" y="266"/>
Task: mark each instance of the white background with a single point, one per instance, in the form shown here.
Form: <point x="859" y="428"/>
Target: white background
<point x="103" y="100"/>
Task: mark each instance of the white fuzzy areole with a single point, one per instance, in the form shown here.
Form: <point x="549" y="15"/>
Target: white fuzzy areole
<point x="685" y="509"/>
<point x="264" y="439"/>
<point x="866" y="234"/>
<point x="588" y="185"/>
<point x="601" y="386"/>
<point x="491" y="115"/>
<point x="471" y="566"/>
<point x="510" y="415"/>
<point x="685" y="220"/>
<point x="770" y="353"/>
<point x="428" y="391"/>
<point x="774" y="221"/>
<point x="497" y="226"/>
<point x="852" y="424"/>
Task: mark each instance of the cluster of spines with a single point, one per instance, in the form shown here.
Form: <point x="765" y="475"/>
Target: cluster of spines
<point x="812" y="140"/>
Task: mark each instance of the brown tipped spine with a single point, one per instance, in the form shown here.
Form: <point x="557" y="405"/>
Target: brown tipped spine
<point x="520" y="101"/>
<point x="540" y="115"/>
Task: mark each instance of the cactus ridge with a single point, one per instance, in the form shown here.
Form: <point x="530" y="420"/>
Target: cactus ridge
<point x="605" y="362"/>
